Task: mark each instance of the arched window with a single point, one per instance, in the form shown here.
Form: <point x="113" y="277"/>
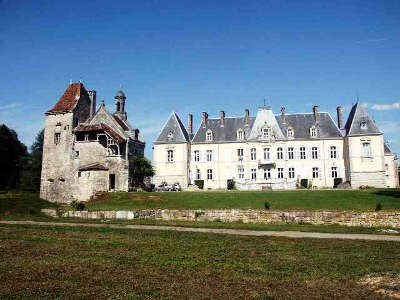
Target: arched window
<point x="209" y="136"/>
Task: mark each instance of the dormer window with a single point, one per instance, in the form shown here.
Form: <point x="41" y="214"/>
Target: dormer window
<point x="209" y="136"/>
<point x="289" y="132"/>
<point x="363" y="125"/>
<point x="240" y="134"/>
<point x="170" y="135"/>
<point x="313" y="131"/>
<point x="266" y="133"/>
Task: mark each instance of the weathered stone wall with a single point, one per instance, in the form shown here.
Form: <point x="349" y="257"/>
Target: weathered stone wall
<point x="345" y="218"/>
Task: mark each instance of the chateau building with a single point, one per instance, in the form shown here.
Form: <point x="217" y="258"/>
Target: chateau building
<point x="86" y="150"/>
<point x="275" y="151"/>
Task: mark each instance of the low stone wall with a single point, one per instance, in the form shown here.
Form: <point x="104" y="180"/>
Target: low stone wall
<point x="345" y="218"/>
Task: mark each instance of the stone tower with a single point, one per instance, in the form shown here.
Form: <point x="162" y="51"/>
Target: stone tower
<point x="74" y="107"/>
<point x="120" y="105"/>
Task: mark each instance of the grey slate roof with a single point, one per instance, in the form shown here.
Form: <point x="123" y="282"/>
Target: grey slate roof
<point x="173" y="131"/>
<point x="359" y="115"/>
<point x="301" y="124"/>
<point x="386" y="149"/>
<point x="223" y="134"/>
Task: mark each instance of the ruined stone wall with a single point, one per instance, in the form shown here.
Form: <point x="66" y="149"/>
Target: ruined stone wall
<point x="345" y="218"/>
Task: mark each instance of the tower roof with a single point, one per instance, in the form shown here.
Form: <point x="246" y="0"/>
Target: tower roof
<point x="359" y="122"/>
<point x="70" y="98"/>
<point x="173" y="131"/>
<point x="119" y="94"/>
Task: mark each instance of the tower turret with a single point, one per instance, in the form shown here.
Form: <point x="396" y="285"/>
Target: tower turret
<point x="120" y="105"/>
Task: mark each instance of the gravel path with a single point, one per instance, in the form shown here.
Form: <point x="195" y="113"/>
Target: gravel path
<point x="290" y="234"/>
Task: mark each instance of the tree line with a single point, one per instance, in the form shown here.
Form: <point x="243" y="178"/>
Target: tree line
<point x="20" y="169"/>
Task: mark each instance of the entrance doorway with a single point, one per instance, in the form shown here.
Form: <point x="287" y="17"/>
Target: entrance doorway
<point x="112" y="182"/>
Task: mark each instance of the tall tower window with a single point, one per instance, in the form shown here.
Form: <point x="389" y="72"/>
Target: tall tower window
<point x="57" y="137"/>
<point x="366" y="149"/>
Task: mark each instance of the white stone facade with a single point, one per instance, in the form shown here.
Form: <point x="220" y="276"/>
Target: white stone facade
<point x="275" y="152"/>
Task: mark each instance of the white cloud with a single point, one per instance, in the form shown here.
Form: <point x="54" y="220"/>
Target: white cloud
<point x="9" y="106"/>
<point x="388" y="127"/>
<point x="389" y="106"/>
<point x="150" y="129"/>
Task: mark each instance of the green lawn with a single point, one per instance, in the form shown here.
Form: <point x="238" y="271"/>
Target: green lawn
<point x="364" y="200"/>
<point x="58" y="262"/>
<point x="22" y="204"/>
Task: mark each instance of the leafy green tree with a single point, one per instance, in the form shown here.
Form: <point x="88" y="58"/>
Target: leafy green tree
<point x="12" y="152"/>
<point x="139" y="168"/>
<point x="32" y="165"/>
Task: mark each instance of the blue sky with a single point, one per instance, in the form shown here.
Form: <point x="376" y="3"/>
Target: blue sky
<point x="194" y="56"/>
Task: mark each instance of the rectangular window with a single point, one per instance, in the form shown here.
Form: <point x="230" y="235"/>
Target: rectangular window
<point x="253" y="174"/>
<point x="198" y="174"/>
<point x="291" y="173"/>
<point x="240" y="154"/>
<point x="265" y="133"/>
<point x="57" y="137"/>
<point x="333" y="152"/>
<point x="209" y="155"/>
<point x="197" y="155"/>
<point x="280" y="172"/>
<point x="366" y="148"/>
<point x="290" y="153"/>
<point x="266" y="154"/>
<point x="314" y="152"/>
<point x="209" y="174"/>
<point x="241" y="173"/>
<point x="170" y="155"/>
<point x="267" y="173"/>
<point x="315" y="173"/>
<point x="279" y="153"/>
<point x="334" y="172"/>
<point x="253" y="154"/>
<point x="302" y="152"/>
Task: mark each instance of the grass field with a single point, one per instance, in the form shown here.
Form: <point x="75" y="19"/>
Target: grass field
<point x="364" y="200"/>
<point x="124" y="264"/>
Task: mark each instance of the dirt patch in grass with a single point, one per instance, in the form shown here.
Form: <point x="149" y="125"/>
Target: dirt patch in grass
<point x="385" y="285"/>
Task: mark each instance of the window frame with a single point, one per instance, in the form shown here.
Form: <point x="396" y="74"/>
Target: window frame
<point x="291" y="173"/>
<point x="290" y="151"/>
<point x="280" y="173"/>
<point x="170" y="155"/>
<point x="315" y="173"/>
<point x="253" y="154"/>
<point x="209" y="174"/>
<point x="209" y="155"/>
<point x="267" y="150"/>
<point x="279" y="153"/>
<point x="303" y="153"/>
<point x="209" y="136"/>
<point x="253" y="172"/>
<point x="333" y="152"/>
<point x="314" y="153"/>
<point x="196" y="155"/>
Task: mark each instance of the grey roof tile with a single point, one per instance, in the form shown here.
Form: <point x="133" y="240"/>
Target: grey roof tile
<point x="358" y="116"/>
<point x="173" y="131"/>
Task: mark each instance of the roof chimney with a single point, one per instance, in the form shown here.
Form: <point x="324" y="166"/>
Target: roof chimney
<point x="246" y="115"/>
<point x="205" y="118"/>
<point x="222" y="118"/>
<point x="315" y="111"/>
<point x="283" y="109"/>
<point x="339" y="117"/>
<point x="92" y="97"/>
<point x="190" y="123"/>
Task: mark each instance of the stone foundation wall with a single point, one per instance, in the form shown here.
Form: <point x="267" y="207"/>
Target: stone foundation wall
<point x="345" y="218"/>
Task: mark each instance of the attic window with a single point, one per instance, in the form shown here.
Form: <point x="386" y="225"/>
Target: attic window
<point x="240" y="134"/>
<point x="290" y="132"/>
<point x="363" y="125"/>
<point x="170" y="135"/>
<point x="313" y="131"/>
<point x="266" y="133"/>
<point x="209" y="136"/>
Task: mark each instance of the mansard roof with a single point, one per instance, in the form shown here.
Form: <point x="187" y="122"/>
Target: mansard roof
<point x="358" y="116"/>
<point x="173" y="131"/>
<point x="70" y="98"/>
<point x="302" y="122"/>
<point x="227" y="133"/>
<point x="299" y="122"/>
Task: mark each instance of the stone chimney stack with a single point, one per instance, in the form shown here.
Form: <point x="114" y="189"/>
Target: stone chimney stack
<point x="315" y="111"/>
<point x="205" y="118"/>
<point x="190" y="123"/>
<point x="339" y="117"/>
<point x="246" y="115"/>
<point x="283" y="116"/>
<point x="222" y="118"/>
<point x="92" y="97"/>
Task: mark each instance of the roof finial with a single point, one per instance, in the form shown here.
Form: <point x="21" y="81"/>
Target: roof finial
<point x="264" y="102"/>
<point x="102" y="103"/>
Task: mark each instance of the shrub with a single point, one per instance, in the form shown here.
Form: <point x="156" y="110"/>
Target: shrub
<point x="266" y="205"/>
<point x="198" y="214"/>
<point x="78" y="205"/>
<point x="337" y="181"/>
<point x="230" y="184"/>
<point x="378" y="206"/>
<point x="199" y="183"/>
<point x="304" y="183"/>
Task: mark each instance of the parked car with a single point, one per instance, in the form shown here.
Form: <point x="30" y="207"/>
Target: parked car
<point x="164" y="188"/>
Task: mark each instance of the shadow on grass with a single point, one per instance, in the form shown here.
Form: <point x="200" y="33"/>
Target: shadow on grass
<point x="395" y="193"/>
